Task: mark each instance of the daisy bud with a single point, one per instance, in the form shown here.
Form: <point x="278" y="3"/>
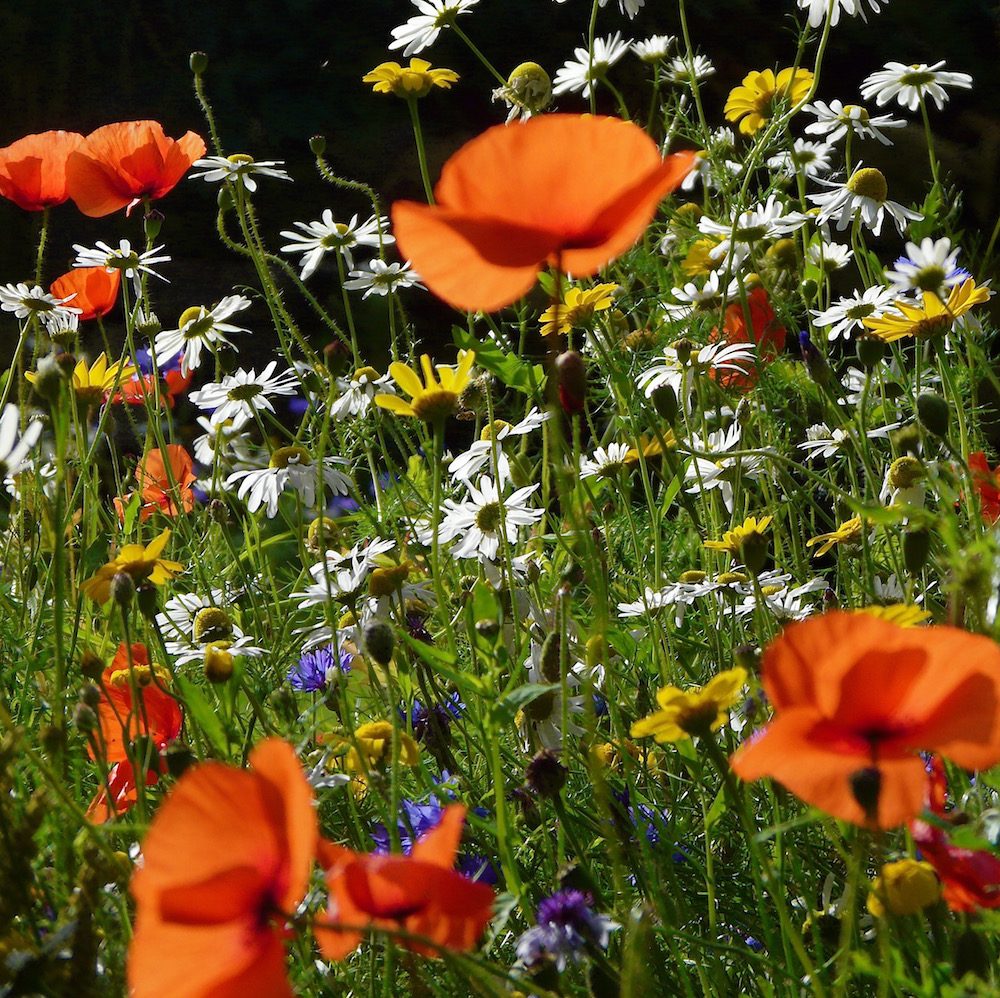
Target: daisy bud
<point x="122" y="588"/>
<point x="907" y="439"/>
<point x="218" y="663"/>
<point x="84" y="719"/>
<point x="808" y="289"/>
<point x="379" y="641"/>
<point x="50" y="378"/>
<point x="916" y="548"/>
<point x="91" y="665"/>
<point x="571" y="379"/>
<point x="317" y="145"/>
<point x="932" y="411"/>
<point x="529" y="87"/>
<point x="198" y="61"/>
<point x="545" y="774"/>
<point x="224" y="199"/>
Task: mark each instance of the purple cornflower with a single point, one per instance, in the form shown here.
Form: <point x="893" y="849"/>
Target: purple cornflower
<point x="443" y="713"/>
<point x="567" y="925"/>
<point x="314" y="668"/>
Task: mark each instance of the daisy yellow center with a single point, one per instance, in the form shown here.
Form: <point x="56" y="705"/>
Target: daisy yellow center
<point x="244" y="393"/>
<point x="489" y="432"/>
<point x="869" y="183"/>
<point x="195" y="322"/>
<point x="366" y="372"/>
<point x="692" y="576"/>
<point x="435" y="404"/>
<point x="488" y="518"/>
<point x="341" y="237"/>
<point x="122" y="261"/>
<point x="284" y="456"/>
<point x="212" y="624"/>
<point x="240" y="159"/>
<point x="852" y="112"/>
<point x="860" y="311"/>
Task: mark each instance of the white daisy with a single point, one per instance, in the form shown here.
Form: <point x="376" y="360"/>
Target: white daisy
<point x="682" y="71"/>
<point x="679" y="595"/>
<point x="289" y="468"/>
<point x="931" y="266"/>
<point x="421" y="30"/>
<point x="23" y="301"/>
<point x="480" y="453"/>
<point x="630" y="7"/>
<point x="681" y="365"/>
<point x="14" y="448"/>
<point x="821" y="441"/>
<point x="910" y="84"/>
<point x="607" y="462"/>
<point x="834" y="119"/>
<point x="342" y="574"/>
<point x="709" y="297"/>
<point x="866" y="194"/>
<point x="786" y="604"/>
<point x="583" y="74"/>
<point x="237" y="169"/>
<point x="130" y="262"/>
<point x="222" y="439"/>
<point x="846" y="315"/>
<point x="765" y="220"/>
<point x="200" y="327"/>
<point x="818" y="9"/>
<point x="244" y="393"/>
<point x="721" y="471"/>
<point x="189" y="622"/>
<point x="480" y="522"/>
<point x="326" y="235"/>
<point x="828" y="257"/>
<point x="357" y="392"/>
<point x="654" y="48"/>
<point x="805" y="157"/>
<point x="383" y="278"/>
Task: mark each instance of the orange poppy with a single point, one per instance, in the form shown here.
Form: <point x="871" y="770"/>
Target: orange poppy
<point x="168" y="493"/>
<point x="137" y="389"/>
<point x="95" y="290"/>
<point x="987" y="482"/>
<point x="572" y="190"/>
<point x="33" y="169"/>
<point x="133" y="704"/>
<point x="766" y="332"/>
<point x="857" y="698"/>
<point x="120" y="165"/>
<point x="225" y="863"/>
<point x="970" y="878"/>
<point x="420" y="894"/>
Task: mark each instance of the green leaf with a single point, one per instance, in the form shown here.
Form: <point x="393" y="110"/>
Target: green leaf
<point x="203" y="713"/>
<point x="512" y="371"/>
<point x="443" y="664"/>
<point x="718" y="808"/>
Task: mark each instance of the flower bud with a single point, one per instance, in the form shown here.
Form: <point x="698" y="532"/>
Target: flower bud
<point x="551" y="649"/>
<point x="488" y="628"/>
<point x="916" y="548"/>
<point x="91" y="665"/>
<point x="198" y="61"/>
<point x="122" y="588"/>
<point x="90" y="695"/>
<point x="808" y="289"/>
<point x="545" y="774"/>
<point x="932" y="411"/>
<point x="317" y="145"/>
<point x="50" y="378"/>
<point x="871" y="351"/>
<point x="179" y="758"/>
<point x="219" y="662"/>
<point x="866" y="787"/>
<point x="571" y="380"/>
<point x="152" y="222"/>
<point x="84" y="719"/>
<point x="147" y="601"/>
<point x="379" y="641"/>
<point x="665" y="403"/>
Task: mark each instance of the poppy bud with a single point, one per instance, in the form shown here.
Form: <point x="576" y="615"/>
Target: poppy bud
<point x="84" y="718"/>
<point x="379" y="641"/>
<point x="866" y="786"/>
<point x="808" y="289"/>
<point x="317" y="145"/>
<point x="871" y="351"/>
<point x="571" y="379"/>
<point x="545" y="774"/>
<point x="224" y="198"/>
<point x="91" y="665"/>
<point x="90" y="695"/>
<point x="551" y="648"/>
<point x="816" y="363"/>
<point x="146" y="600"/>
<point x="932" y="411"/>
<point x="122" y="588"/>
<point x="665" y="403"/>
<point x="198" y="61"/>
<point x="152" y="222"/>
<point x="916" y="548"/>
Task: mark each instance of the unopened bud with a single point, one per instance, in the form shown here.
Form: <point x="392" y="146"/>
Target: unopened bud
<point x="84" y="719"/>
<point x="317" y="145"/>
<point x="91" y="665"/>
<point x="379" y="641"/>
<point x="122" y="588"/>
<point x="179" y="758"/>
<point x="551" y="653"/>
<point x="545" y="774"/>
<point x="866" y="787"/>
<point x="665" y="403"/>
<point x="90" y="695"/>
<point x="916" y="548"/>
<point x="152" y="223"/>
<point x="571" y="379"/>
<point x="198" y="61"/>
<point x="932" y="411"/>
<point x="871" y="351"/>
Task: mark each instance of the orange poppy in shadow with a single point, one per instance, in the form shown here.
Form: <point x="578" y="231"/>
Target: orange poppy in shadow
<point x="33" y="169"/>
<point x="857" y="698"/>
<point x="571" y="190"/>
<point x="120" y="165"/>
<point x="987" y="482"/>
<point x="169" y="492"/>
<point x="225" y="863"/>
<point x="765" y="331"/>
<point x="420" y="894"/>
<point x="95" y="290"/>
<point x="133" y="704"/>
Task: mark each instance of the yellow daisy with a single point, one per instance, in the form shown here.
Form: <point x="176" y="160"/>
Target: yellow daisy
<point x="849" y="532"/>
<point x="431" y="400"/>
<point x="141" y="564"/>
<point x="900" y="614"/>
<point x="694" y="712"/>
<point x="756" y="99"/>
<point x="374" y="747"/>
<point x="92" y="384"/>
<point x="409" y="82"/>
<point x="932" y="318"/>
<point x="734" y="540"/>
<point x="577" y="308"/>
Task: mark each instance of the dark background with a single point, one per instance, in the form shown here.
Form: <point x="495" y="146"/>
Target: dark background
<point x="282" y="71"/>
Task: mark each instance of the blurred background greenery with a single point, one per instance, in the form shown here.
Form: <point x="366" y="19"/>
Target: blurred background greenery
<point x="282" y="71"/>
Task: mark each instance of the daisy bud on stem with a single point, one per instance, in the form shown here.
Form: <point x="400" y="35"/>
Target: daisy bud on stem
<point x="379" y="641"/>
<point x="933" y="413"/>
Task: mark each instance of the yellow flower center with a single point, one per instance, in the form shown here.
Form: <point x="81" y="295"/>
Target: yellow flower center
<point x="493" y="429"/>
<point x="366" y="372"/>
<point x="212" y="624"/>
<point x="436" y="404"/>
<point x="488" y="518"/>
<point x="284" y="456"/>
<point x="240" y="159"/>
<point x="869" y="183"/>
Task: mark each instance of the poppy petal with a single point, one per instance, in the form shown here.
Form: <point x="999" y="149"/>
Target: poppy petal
<point x="440" y="845"/>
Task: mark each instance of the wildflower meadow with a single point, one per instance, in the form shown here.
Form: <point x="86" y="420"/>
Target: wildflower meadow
<point x="632" y="631"/>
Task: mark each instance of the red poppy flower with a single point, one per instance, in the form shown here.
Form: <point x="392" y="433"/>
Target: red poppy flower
<point x="133" y="704"/>
<point x="856" y="699"/>
<point x="766" y="332"/>
<point x="95" y="289"/>
<point x="572" y="190"/>
<point x="970" y="878"/>
<point x="420" y="894"/>
<point x="119" y="165"/>
<point x="987" y="482"/>
<point x="225" y="862"/>
<point x="167" y="492"/>
<point x="33" y="169"/>
<point x="136" y="390"/>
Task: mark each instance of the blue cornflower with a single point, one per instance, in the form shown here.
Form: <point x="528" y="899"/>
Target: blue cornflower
<point x="567" y="925"/>
<point x="314" y="668"/>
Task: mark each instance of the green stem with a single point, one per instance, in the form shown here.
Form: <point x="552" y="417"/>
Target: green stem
<point x="418" y="135"/>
